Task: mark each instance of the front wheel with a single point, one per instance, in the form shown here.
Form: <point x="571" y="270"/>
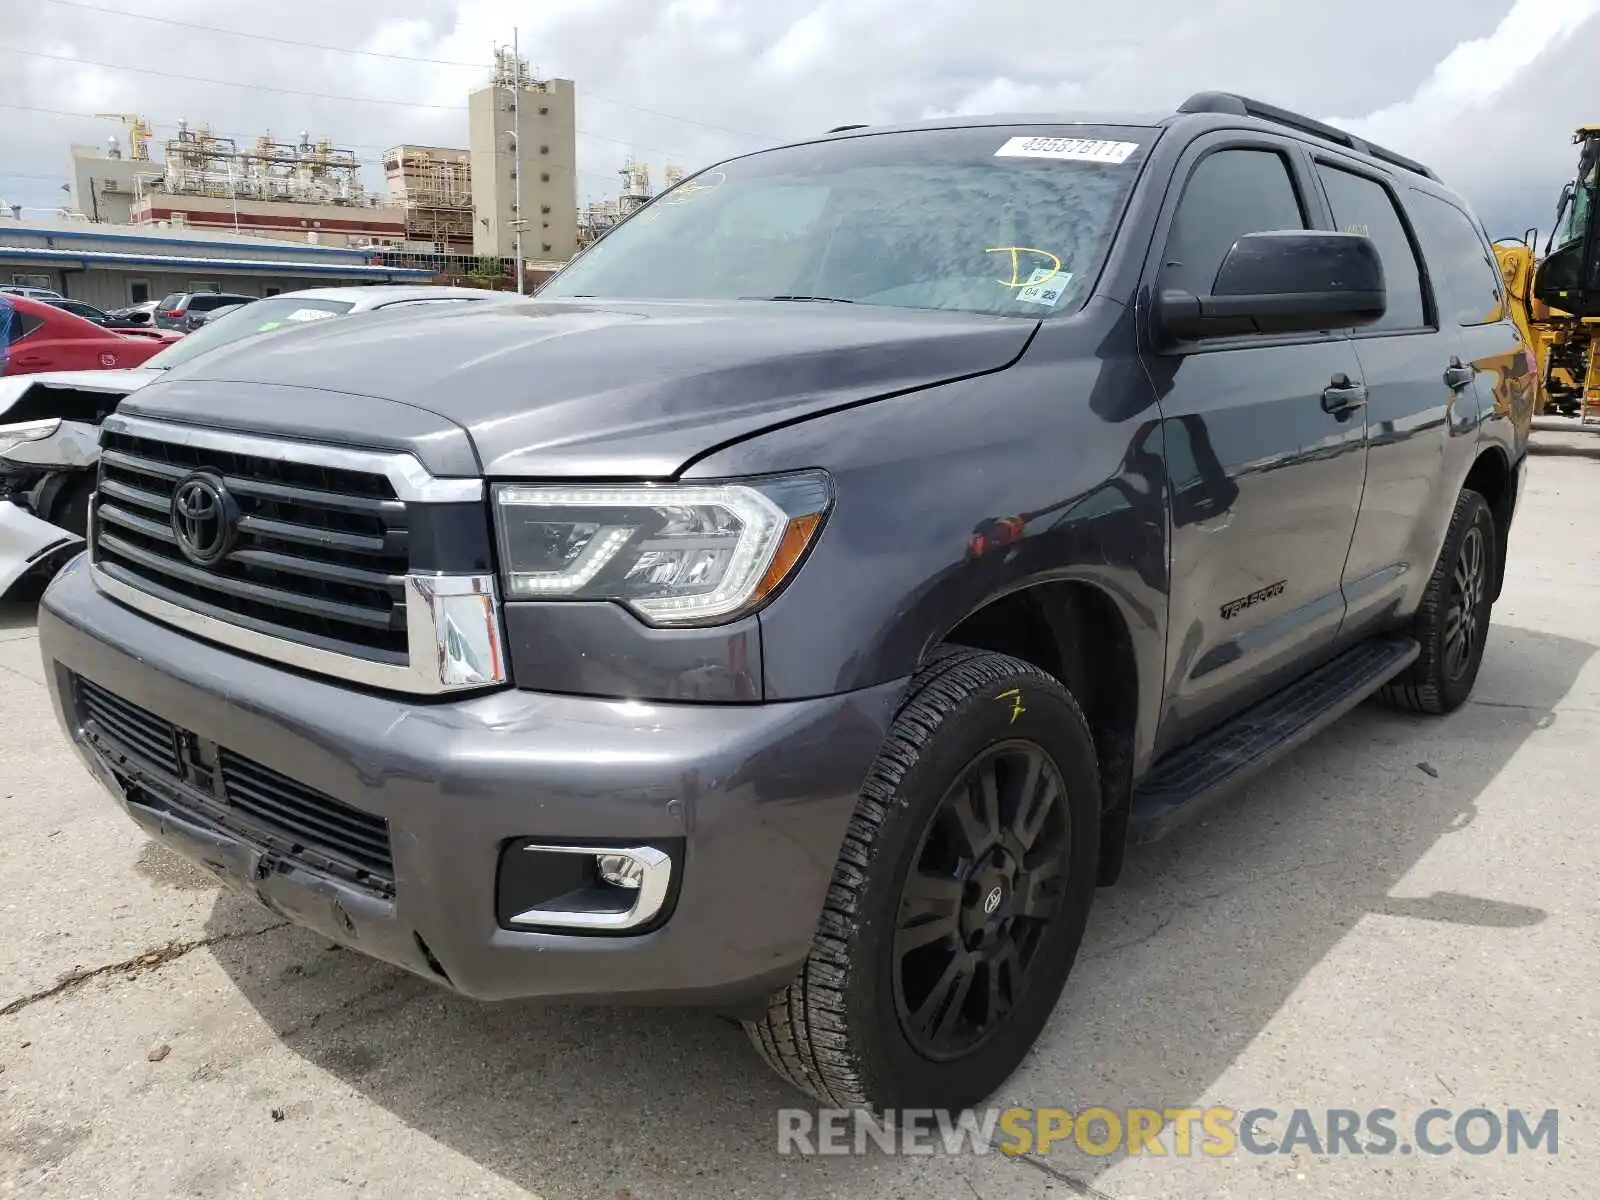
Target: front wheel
<point x="1452" y="622"/>
<point x="958" y="901"/>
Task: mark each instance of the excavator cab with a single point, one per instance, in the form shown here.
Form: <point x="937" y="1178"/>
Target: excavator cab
<point x="1568" y="278"/>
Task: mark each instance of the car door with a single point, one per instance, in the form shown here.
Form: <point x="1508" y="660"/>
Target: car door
<point x="1264" y="483"/>
<point x="1419" y="398"/>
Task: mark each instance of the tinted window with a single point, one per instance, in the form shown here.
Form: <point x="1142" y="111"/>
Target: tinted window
<point x="987" y="220"/>
<point x="1462" y="262"/>
<point x="1362" y="205"/>
<point x="170" y="301"/>
<point x="207" y="303"/>
<point x="22" y="324"/>
<point x="1230" y="194"/>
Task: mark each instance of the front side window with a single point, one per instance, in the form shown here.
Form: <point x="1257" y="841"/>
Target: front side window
<point x="1013" y="222"/>
<point x="1231" y="193"/>
<point x="1362" y="205"/>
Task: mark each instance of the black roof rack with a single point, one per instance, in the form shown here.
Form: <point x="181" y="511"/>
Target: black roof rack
<point x="1242" y="106"/>
<point x="842" y="128"/>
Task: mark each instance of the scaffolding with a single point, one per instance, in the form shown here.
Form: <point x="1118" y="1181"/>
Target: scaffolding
<point x="434" y="187"/>
<point x="310" y="171"/>
<point x="139" y="133"/>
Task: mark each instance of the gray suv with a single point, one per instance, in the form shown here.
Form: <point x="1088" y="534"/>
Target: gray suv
<point x="800" y="605"/>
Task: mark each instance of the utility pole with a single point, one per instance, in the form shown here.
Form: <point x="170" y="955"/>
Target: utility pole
<point x="516" y="149"/>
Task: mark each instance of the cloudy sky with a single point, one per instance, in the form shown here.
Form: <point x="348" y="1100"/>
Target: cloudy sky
<point x="1486" y="91"/>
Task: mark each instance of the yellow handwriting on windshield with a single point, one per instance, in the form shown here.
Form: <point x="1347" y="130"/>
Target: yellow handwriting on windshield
<point x="1018" y="278"/>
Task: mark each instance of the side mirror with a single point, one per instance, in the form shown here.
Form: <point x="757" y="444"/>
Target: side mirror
<point x="1292" y="281"/>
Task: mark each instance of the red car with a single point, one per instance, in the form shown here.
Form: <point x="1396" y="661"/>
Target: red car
<point x="46" y="338"/>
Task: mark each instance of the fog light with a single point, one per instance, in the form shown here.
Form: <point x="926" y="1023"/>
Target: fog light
<point x="598" y="889"/>
<point x="620" y="870"/>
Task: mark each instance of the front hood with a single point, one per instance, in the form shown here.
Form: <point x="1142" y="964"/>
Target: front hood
<point x="574" y="388"/>
<point x="50" y="393"/>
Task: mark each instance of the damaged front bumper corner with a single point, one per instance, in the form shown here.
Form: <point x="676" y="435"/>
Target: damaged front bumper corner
<point x="29" y="545"/>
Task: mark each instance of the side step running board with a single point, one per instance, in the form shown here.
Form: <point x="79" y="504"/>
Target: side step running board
<point x="1186" y="781"/>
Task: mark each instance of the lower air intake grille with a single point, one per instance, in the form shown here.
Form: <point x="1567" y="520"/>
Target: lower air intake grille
<point x="305" y="814"/>
<point x="142" y="732"/>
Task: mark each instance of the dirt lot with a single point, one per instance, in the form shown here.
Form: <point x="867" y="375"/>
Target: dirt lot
<point x="1403" y="916"/>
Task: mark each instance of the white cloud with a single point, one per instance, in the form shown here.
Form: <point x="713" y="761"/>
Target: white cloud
<point x="694" y="80"/>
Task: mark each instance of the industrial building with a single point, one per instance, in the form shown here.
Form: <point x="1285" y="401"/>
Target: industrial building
<point x="110" y="266"/>
<point x="528" y="174"/>
<point x="432" y="186"/>
<point x="454" y="212"/>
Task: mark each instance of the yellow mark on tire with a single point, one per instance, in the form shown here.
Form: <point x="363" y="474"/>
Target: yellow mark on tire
<point x="1015" y="696"/>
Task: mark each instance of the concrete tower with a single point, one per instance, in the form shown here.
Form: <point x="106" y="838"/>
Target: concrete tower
<point x="546" y="158"/>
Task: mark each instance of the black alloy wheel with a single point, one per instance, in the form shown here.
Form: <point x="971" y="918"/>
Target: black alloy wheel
<point x="985" y="881"/>
<point x="1464" y="611"/>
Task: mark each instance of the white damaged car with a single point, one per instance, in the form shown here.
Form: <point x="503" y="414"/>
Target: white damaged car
<point x="50" y="422"/>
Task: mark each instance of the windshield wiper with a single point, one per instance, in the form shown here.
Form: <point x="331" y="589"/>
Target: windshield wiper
<point x="811" y="299"/>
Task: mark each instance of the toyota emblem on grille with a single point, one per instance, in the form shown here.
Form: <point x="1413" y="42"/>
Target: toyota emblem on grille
<point x="205" y="518"/>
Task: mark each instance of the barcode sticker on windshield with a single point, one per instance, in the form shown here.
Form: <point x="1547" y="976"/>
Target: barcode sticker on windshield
<point x="1075" y="149"/>
<point x="308" y="314"/>
<point x="1045" y="286"/>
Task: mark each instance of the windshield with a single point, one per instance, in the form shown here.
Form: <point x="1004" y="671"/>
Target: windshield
<point x="991" y="220"/>
<point x="244" y="321"/>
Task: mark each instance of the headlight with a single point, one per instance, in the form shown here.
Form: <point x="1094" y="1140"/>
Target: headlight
<point x="12" y="436"/>
<point x="677" y="554"/>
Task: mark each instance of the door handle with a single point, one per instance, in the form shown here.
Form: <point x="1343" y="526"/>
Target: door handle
<point x="1342" y="396"/>
<point x="1457" y="376"/>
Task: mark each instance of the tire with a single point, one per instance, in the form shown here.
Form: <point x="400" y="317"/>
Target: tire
<point x="1441" y="678"/>
<point x="860" y="1027"/>
<point x="71" y="509"/>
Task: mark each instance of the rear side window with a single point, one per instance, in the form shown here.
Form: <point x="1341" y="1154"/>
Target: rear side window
<point x="1362" y="205"/>
<point x="22" y="324"/>
<point x="207" y="303"/>
<point x="1231" y="193"/>
<point x="1461" y="261"/>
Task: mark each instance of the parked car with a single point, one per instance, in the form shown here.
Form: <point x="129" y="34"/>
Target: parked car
<point x="101" y="318"/>
<point x="50" y="423"/>
<point x="142" y="314"/>
<point x="800" y="604"/>
<point x="31" y="293"/>
<point x="175" y="309"/>
<point x="194" y="320"/>
<point x="47" y="337"/>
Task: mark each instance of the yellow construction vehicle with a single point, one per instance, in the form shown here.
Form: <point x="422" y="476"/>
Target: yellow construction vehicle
<point x="1555" y="296"/>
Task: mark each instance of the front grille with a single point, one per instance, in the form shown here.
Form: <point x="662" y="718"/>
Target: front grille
<point x="321" y="554"/>
<point x="243" y="796"/>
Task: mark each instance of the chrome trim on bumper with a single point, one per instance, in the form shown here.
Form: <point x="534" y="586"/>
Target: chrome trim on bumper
<point x="409" y="478"/>
<point x="656" y="866"/>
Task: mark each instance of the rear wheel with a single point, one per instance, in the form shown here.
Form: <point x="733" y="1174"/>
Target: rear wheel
<point x="1452" y="622"/>
<point x="958" y="901"/>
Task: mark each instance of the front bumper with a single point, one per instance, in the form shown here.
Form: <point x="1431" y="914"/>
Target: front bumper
<point x="759" y="794"/>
